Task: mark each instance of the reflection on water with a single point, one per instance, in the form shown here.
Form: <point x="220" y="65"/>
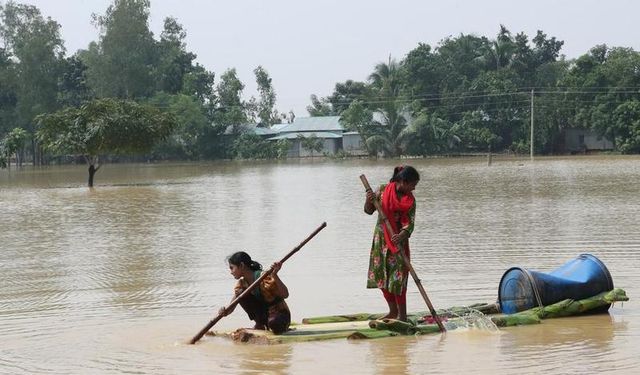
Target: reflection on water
<point x="116" y="279"/>
<point x="555" y="341"/>
<point x="389" y="356"/>
<point x="266" y="360"/>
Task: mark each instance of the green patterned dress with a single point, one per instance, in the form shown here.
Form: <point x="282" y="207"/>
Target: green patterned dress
<point x="386" y="270"/>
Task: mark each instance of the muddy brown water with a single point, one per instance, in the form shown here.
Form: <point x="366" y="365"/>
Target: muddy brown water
<point x="116" y="279"/>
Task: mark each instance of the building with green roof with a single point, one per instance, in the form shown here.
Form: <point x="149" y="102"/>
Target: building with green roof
<point x="327" y="129"/>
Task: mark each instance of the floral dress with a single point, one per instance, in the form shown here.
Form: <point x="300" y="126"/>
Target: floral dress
<point x="386" y="270"/>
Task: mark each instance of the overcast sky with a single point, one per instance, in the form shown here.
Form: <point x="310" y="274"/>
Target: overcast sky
<point x="308" y="46"/>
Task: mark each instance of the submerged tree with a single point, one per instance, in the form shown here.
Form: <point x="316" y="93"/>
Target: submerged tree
<point x="13" y="144"/>
<point x="103" y="126"/>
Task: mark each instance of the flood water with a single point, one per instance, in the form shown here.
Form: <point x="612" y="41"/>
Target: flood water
<point x="116" y="279"/>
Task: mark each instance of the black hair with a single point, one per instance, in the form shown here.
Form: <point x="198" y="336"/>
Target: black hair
<point x="405" y="173"/>
<point x="241" y="257"/>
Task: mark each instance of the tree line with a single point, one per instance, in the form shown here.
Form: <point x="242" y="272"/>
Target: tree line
<point x="131" y="91"/>
<point x="472" y="93"/>
<point x="55" y="107"/>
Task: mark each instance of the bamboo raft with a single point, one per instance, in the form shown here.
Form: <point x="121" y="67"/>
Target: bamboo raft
<point x="370" y="326"/>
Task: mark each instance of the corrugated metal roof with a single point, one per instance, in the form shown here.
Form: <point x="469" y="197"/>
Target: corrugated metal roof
<point x="309" y="124"/>
<point x="295" y="135"/>
<point x="250" y="128"/>
<point x="276" y="127"/>
<point x="264" y="131"/>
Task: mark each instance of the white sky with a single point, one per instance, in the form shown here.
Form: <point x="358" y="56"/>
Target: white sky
<point x="309" y="45"/>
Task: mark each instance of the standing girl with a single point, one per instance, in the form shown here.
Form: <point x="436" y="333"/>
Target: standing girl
<point x="387" y="270"/>
<point x="265" y="304"/>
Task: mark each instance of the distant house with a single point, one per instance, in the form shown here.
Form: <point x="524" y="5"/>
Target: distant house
<point x="276" y="127"/>
<point x="584" y="140"/>
<point x="326" y="128"/>
<point x="330" y="143"/>
<point x="352" y="144"/>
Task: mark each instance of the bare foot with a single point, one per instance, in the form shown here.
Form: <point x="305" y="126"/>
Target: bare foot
<point x="393" y="311"/>
<point x="390" y="315"/>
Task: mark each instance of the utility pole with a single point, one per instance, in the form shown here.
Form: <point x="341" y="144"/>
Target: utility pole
<point x="531" y="142"/>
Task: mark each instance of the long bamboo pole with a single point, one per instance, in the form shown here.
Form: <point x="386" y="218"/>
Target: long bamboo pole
<point x="423" y="292"/>
<point x="236" y="300"/>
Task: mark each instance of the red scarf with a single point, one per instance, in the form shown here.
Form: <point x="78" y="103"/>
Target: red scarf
<point x="395" y="208"/>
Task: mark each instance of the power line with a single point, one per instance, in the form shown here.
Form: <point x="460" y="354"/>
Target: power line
<point x="482" y="94"/>
<point x="429" y="98"/>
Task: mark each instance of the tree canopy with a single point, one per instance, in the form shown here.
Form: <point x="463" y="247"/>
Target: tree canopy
<point x="478" y="91"/>
<point x="102" y="127"/>
<point x="467" y="93"/>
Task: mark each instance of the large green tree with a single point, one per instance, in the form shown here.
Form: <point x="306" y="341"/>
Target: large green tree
<point x="468" y="93"/>
<point x="199" y="83"/>
<point x="8" y="92"/>
<point x="174" y="61"/>
<point x="602" y="93"/>
<point x="422" y="74"/>
<point x="320" y="107"/>
<point x="626" y="119"/>
<point x="187" y="140"/>
<point x="121" y="63"/>
<point x="230" y="109"/>
<point x="104" y="126"/>
<point x="267" y="114"/>
<point x="73" y="88"/>
<point x="345" y="93"/>
<point x="459" y="61"/>
<point x="35" y="44"/>
<point x="499" y="53"/>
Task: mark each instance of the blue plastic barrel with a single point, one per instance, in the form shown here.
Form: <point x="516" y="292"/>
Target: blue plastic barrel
<point x="521" y="289"/>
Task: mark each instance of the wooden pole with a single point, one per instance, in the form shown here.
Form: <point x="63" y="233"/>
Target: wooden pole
<point x="531" y="137"/>
<point x="236" y="300"/>
<point x="423" y="292"/>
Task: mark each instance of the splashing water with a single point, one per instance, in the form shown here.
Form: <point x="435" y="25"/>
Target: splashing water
<point x="469" y="318"/>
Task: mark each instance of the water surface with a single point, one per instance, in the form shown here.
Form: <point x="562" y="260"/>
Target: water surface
<point x="117" y="278"/>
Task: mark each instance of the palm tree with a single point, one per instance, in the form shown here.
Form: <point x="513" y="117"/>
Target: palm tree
<point x="392" y="135"/>
<point x="386" y="80"/>
<point x="500" y="52"/>
<point x="387" y="102"/>
<point x="430" y="134"/>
